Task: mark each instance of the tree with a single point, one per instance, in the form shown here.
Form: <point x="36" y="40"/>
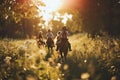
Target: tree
<point x="100" y="15"/>
<point x="17" y="18"/>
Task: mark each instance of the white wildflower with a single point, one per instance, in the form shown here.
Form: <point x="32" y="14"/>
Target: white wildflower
<point x="114" y="78"/>
<point x="7" y="59"/>
<point x="85" y="76"/>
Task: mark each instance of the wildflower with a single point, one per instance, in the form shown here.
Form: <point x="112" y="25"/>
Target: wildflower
<point x="65" y="67"/>
<point x="43" y="52"/>
<point x="25" y="69"/>
<point x="27" y="44"/>
<point x="7" y="59"/>
<point x="85" y="61"/>
<point x="85" y="76"/>
<point x="50" y="59"/>
<point x="63" y="74"/>
<point x="58" y="65"/>
<point x="114" y="78"/>
<point x="29" y="77"/>
<point x="23" y="47"/>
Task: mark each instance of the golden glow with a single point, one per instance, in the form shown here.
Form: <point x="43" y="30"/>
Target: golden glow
<point x="49" y="11"/>
<point x="52" y="5"/>
<point x="85" y="76"/>
<point x="66" y="17"/>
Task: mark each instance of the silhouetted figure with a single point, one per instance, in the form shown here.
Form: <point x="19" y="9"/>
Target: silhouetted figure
<point x="58" y="40"/>
<point x="40" y="39"/>
<point x="64" y="36"/>
<point x="50" y="36"/>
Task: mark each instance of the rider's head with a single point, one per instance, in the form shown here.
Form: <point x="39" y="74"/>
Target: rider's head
<point x="49" y="30"/>
<point x="40" y="32"/>
<point x="64" y="28"/>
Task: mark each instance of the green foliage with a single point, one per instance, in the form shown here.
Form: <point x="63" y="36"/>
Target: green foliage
<point x="19" y="59"/>
<point x="100" y="15"/>
<point x="92" y="17"/>
<point x="18" y="19"/>
<point x="98" y="58"/>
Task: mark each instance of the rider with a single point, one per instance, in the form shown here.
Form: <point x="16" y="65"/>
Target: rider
<point x="58" y="40"/>
<point x="40" y="38"/>
<point x="64" y="36"/>
<point x="50" y="36"/>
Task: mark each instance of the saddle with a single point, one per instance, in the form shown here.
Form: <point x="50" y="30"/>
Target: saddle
<point x="64" y="42"/>
<point x="50" y="42"/>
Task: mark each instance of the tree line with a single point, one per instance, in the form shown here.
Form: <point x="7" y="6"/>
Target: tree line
<point x="18" y="18"/>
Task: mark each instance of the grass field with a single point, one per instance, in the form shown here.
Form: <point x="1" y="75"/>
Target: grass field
<point x="90" y="59"/>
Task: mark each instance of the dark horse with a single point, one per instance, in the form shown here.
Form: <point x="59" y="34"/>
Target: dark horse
<point x="40" y="43"/>
<point x="63" y="49"/>
<point x="50" y="43"/>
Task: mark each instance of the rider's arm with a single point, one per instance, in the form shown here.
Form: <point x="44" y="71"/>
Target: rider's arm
<point x="52" y="36"/>
<point x="67" y="33"/>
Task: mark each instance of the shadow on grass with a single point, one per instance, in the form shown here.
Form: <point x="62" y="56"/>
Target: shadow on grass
<point x="49" y="54"/>
<point x="88" y="69"/>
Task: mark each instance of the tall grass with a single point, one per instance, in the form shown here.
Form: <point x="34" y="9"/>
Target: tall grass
<point x="92" y="59"/>
<point x="22" y="58"/>
<point x="100" y="57"/>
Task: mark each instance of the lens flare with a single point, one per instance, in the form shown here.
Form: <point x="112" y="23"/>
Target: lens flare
<point x="53" y="5"/>
<point x="66" y="17"/>
<point x="48" y="11"/>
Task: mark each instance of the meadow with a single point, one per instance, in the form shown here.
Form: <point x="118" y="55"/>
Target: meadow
<point x="90" y="59"/>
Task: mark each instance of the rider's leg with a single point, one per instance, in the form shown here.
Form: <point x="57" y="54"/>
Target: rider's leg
<point x="53" y="43"/>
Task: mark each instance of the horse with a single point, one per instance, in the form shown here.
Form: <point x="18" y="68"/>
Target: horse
<point x="63" y="49"/>
<point x="40" y="43"/>
<point x="50" y="43"/>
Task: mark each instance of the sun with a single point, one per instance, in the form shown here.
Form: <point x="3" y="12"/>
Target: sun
<point x="48" y="10"/>
<point x="52" y="5"/>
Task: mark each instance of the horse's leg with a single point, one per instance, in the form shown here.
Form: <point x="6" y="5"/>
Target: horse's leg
<point x="38" y="44"/>
<point x="65" y="55"/>
<point x="48" y="49"/>
<point x="52" y="50"/>
<point x="61" y="56"/>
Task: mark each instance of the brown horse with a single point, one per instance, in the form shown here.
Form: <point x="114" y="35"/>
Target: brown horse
<point x="40" y="43"/>
<point x="50" y="43"/>
<point x="63" y="49"/>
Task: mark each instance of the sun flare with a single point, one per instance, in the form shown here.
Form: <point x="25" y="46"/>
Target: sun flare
<point x="49" y="10"/>
<point x="53" y="5"/>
